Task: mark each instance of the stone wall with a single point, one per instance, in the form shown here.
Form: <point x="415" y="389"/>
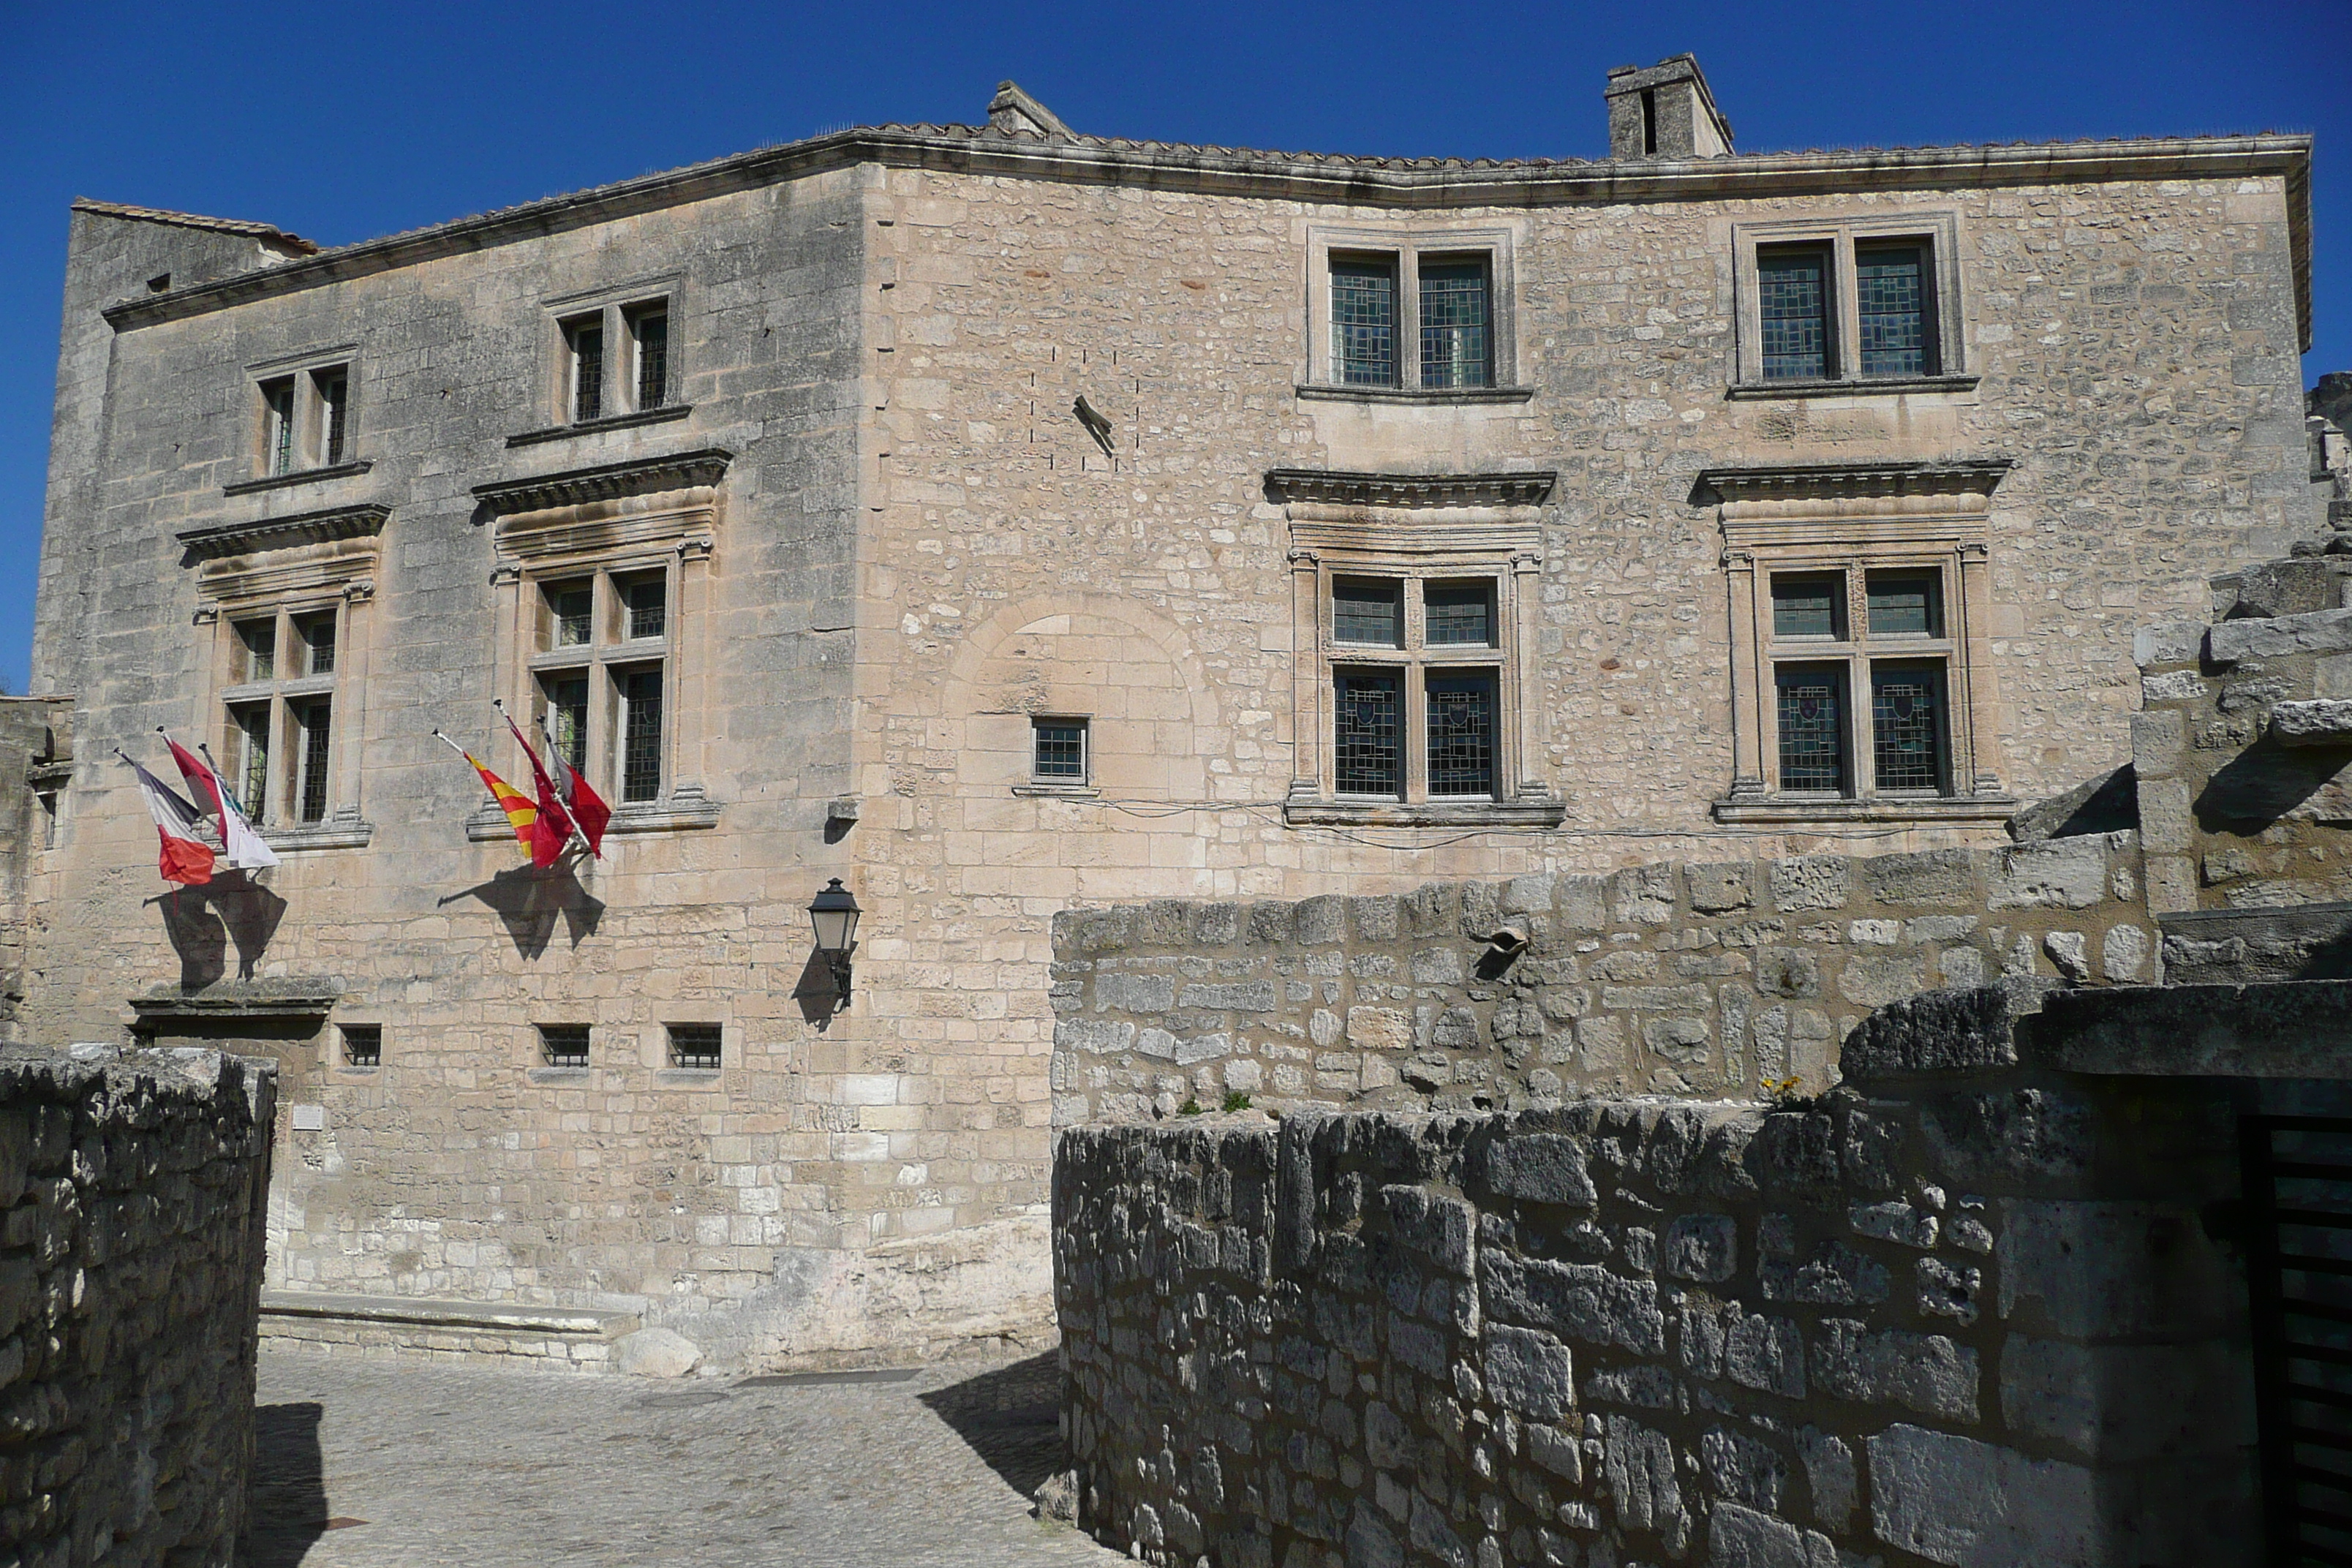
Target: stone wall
<point x="1720" y="978"/>
<point x="132" y="1189"/>
<point x="1973" y="1315"/>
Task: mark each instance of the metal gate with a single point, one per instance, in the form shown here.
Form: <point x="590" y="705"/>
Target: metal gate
<point x="2297" y="1171"/>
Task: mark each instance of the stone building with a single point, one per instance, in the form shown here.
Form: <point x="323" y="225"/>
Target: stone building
<point x="1003" y="519"/>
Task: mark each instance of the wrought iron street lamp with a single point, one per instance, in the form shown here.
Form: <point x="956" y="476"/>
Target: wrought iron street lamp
<point x="834" y="914"/>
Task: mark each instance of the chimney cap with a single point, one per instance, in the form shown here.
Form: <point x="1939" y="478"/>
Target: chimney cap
<point x="1016" y="112"/>
<point x="1624" y="80"/>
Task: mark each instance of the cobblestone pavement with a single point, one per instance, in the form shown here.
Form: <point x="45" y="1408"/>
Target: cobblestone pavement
<point x="373" y="1465"/>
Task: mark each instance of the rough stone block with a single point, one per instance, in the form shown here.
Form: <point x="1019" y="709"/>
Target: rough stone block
<point x="2279" y="637"/>
<point x="1534" y="1167"/>
<point x="2088" y="1270"/>
<point x="1945" y="876"/>
<point x="1703" y="1248"/>
<point x="2055" y="874"/>
<point x="1579" y="1300"/>
<point x="1955" y="1501"/>
<point x="1529" y="1372"/>
<point x="1644" y="895"/>
<point x="1924" y="1373"/>
<point x="1810" y="882"/>
<point x="656" y="1352"/>
<point x="2174" y="642"/>
<point x="1717" y="889"/>
<point x="1135" y="993"/>
<point x="1829" y="1476"/>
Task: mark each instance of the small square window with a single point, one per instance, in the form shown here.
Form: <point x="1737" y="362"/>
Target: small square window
<point x="1812" y="727"/>
<point x="564" y="1045"/>
<point x="1060" y="754"/>
<point x="362" y="1045"/>
<point x="694" y="1046"/>
<point x="1368" y="611"/>
<point x="1810" y="606"/>
<point x="646" y="602"/>
<point x="570" y="608"/>
<point x="1904" y="603"/>
<point x="1460" y="614"/>
<point x="316" y="633"/>
<point x="257" y="644"/>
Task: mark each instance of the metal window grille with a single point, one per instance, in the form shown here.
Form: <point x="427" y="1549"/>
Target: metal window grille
<point x="694" y="1045"/>
<point x="1809" y="607"/>
<point x="567" y="719"/>
<point x="2295" y="1173"/>
<point x="653" y="358"/>
<point x="1891" y="296"/>
<point x="334" y="397"/>
<point x="641" y="701"/>
<point x="260" y="639"/>
<point x="1456" y="334"/>
<point x="362" y="1045"/>
<point x="1365" y="611"/>
<point x="573" y="605"/>
<point x="1366" y="744"/>
<point x="319" y="644"/>
<point x="648" y="602"/>
<point x="1462" y="736"/>
<point x="1906" y="721"/>
<point x="1459" y="615"/>
<point x="587" y="371"/>
<point x="1792" y="297"/>
<point x="279" y="397"/>
<point x="1904" y="604"/>
<point x="253" y="771"/>
<point x="1812" y="729"/>
<point x="1364" y="323"/>
<point x="1060" y="748"/>
<point x="314" y="717"/>
<point x="564" y="1045"/>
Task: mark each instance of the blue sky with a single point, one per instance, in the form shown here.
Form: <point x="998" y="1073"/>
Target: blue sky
<point x="343" y="121"/>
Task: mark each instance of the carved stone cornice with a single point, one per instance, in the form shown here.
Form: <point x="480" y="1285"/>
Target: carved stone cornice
<point x="1339" y="487"/>
<point x="606" y="481"/>
<point x="1852" y="481"/>
<point x="323" y="527"/>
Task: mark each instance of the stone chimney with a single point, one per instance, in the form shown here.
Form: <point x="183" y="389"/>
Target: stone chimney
<point x="1665" y="111"/>
<point x="1016" y="114"/>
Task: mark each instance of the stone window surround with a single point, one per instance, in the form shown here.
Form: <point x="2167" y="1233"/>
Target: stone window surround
<point x="1856" y="519"/>
<point x="1939" y="230"/>
<point x="302" y="367"/>
<point x="655" y="514"/>
<point x="613" y="303"/>
<point x="1421" y="526"/>
<point x="1081" y="788"/>
<point x="1408" y="240"/>
<point x="283" y="568"/>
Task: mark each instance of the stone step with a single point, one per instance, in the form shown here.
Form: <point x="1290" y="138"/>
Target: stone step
<point x="578" y="1339"/>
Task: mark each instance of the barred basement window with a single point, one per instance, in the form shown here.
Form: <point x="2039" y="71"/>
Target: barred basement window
<point x="694" y="1046"/>
<point x="1456" y="324"/>
<point x="649" y="331"/>
<point x="1060" y="750"/>
<point x="564" y="1044"/>
<point x="584" y="336"/>
<point x="1363" y="323"/>
<point x="1812" y="727"/>
<point x="362" y="1045"/>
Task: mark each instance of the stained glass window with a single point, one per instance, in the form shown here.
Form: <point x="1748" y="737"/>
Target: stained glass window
<point x="1812" y="727"/>
<point x="1367" y="746"/>
<point x="1456" y="329"/>
<point x="648" y="603"/>
<point x="252" y="727"/>
<point x="1460" y="614"/>
<point x="1907" y="720"/>
<point x="1891" y="294"/>
<point x="314" y="720"/>
<point x="1809" y="606"/>
<point x="571" y="605"/>
<point x="1462" y="735"/>
<point x="1792" y="295"/>
<point x="1061" y="749"/>
<point x="1904" y="603"/>
<point x="1363" y="323"/>
<point x="567" y="717"/>
<point x="1369" y="611"/>
<point x="641" y="703"/>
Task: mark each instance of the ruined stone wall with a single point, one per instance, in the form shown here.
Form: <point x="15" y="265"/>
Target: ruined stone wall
<point x="1970" y="1315"/>
<point x="131" y="1186"/>
<point x="1713" y="979"/>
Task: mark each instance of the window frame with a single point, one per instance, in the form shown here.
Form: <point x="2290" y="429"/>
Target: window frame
<point x="284" y="697"/>
<point x="350" y="1061"/>
<point x="1858" y="653"/>
<point x="1406" y="247"/>
<point x="303" y="428"/>
<point x="1083" y="723"/>
<point x="605" y="661"/>
<point x="1844" y="236"/>
<point x="616" y="311"/>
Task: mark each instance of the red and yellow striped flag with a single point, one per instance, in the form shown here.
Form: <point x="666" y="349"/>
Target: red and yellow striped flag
<point x="520" y="808"/>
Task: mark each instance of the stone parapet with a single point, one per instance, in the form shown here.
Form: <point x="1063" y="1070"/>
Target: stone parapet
<point x="1728" y="978"/>
<point x="133" y="1186"/>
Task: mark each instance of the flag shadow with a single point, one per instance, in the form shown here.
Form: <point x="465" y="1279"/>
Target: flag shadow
<point x="202" y="922"/>
<point x="530" y="901"/>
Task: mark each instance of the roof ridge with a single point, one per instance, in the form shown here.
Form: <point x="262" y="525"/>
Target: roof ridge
<point x="267" y="232"/>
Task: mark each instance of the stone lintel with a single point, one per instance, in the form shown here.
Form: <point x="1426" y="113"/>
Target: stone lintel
<point x="606" y="481"/>
<point x="1938" y="810"/>
<point x="1852" y="481"/>
<point x="1309" y="811"/>
<point x="350" y="470"/>
<point x="157" y="1008"/>
<point x="325" y="526"/>
<point x="1339" y="487"/>
<point x="2279" y="637"/>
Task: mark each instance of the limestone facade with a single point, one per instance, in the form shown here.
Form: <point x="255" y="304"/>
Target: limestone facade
<point x="880" y="539"/>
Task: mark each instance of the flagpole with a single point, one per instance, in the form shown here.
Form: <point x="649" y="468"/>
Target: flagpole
<point x="576" y="836"/>
<point x="571" y="813"/>
<point x="206" y="752"/>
